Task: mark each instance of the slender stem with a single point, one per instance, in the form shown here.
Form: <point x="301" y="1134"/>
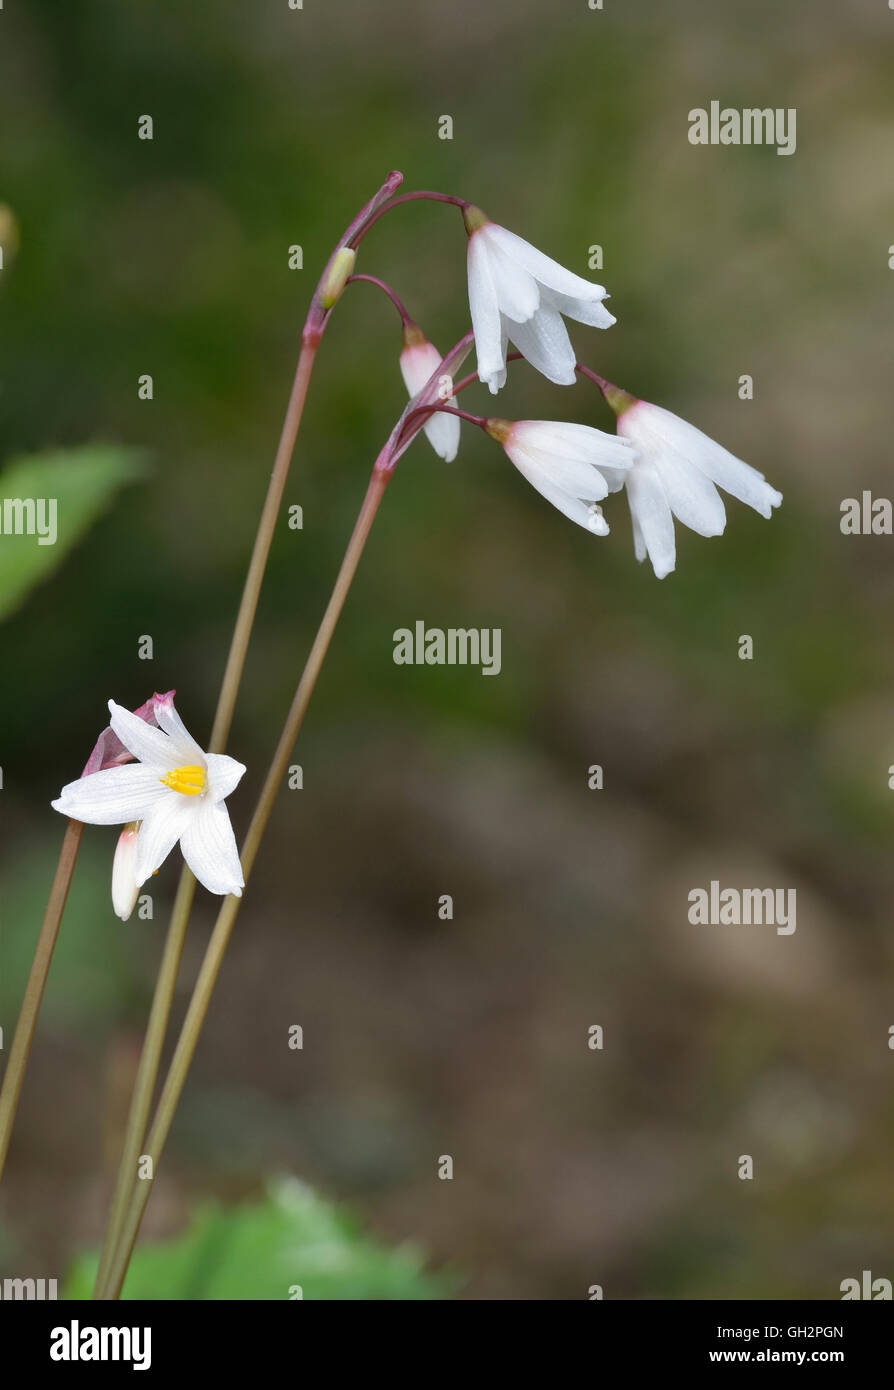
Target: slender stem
<point x="150" y="1058"/>
<point x="473" y="376"/>
<point x="147" y="1071"/>
<point x="446" y="409"/>
<point x="386" y="289"/>
<point x="407" y="198"/>
<point x="593" y="376"/>
<point x="40" y="968"/>
<point x="198" y="1007"/>
<point x="261" y="550"/>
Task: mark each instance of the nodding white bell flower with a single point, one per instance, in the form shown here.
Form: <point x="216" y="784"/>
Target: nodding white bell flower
<point x="518" y="293"/>
<point x="418" y="361"/>
<point x="125" y="889"/>
<point x="567" y="463"/>
<point x="676" y="474"/>
<point x="175" y="790"/>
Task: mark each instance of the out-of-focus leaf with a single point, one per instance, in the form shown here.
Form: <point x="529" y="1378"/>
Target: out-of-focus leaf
<point x="97" y="962"/>
<point x="80" y="483"/>
<point x="291" y="1240"/>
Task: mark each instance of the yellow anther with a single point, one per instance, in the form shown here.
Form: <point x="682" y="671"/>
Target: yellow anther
<point x="188" y="781"/>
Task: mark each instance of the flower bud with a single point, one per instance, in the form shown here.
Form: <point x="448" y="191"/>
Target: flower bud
<point x="336" y="276"/>
<point x="419" y="360"/>
<point x="9" y="233"/>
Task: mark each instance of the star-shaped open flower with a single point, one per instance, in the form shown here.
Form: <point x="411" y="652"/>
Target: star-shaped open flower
<point x="174" y="789"/>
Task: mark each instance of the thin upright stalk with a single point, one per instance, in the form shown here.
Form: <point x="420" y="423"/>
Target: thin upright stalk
<point x="150" y="1058"/>
<point x="261" y="551"/>
<point x="198" y="1007"/>
<point x="147" y="1071"/>
<point x="37" y="979"/>
<point x="159" y="1014"/>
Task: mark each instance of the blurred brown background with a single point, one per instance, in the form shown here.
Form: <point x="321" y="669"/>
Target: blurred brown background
<point x="469" y="1037"/>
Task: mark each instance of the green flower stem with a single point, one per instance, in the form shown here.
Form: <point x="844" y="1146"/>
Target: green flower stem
<point x="198" y="1007"/>
<point x="40" y="969"/>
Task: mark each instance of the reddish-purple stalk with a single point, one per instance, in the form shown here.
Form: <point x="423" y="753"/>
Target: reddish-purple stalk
<point x="473" y="376"/>
<point x="422" y="193"/>
<point x="386" y="289"/>
<point x="479" y="420"/>
<point x="594" y="376"/>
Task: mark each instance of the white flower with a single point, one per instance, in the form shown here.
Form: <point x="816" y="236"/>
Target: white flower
<point x="518" y="293"/>
<point x="674" y="475"/>
<point x="418" y="361"/>
<point x="566" y="463"/>
<point x="175" y="789"/>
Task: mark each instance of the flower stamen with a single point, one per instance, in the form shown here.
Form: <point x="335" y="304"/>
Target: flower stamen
<point x="188" y="781"/>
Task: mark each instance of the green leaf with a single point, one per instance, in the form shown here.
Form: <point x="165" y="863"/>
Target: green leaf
<point x="267" y="1250"/>
<point x="74" y="484"/>
<point x="99" y="963"/>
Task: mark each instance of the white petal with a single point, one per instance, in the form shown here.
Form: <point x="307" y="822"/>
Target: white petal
<point x="160" y="831"/>
<point x="544" y="269"/>
<point x="579" y="480"/>
<point x="112" y="797"/>
<point x="614" y="477"/>
<point x="573" y="507"/>
<point x="735" y="476"/>
<point x="740" y="480"/>
<point x="495" y="381"/>
<point x="149" y="744"/>
<point x="545" y="343"/>
<point x="485" y="313"/>
<point x="693" y="498"/>
<point x="209" y="848"/>
<point x="651" y="514"/>
<point x="224" y="775"/>
<point x="639" y="545"/>
<point x="124" y="886"/>
<point x="592" y="312"/>
<point x="570" y="440"/>
<point x="442" y="433"/>
<point x="518" y="293"/>
<point x="183" y="745"/>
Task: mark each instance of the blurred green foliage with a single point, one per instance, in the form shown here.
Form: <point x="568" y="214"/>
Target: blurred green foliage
<point x="80" y="484"/>
<point x="264" y="1250"/>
